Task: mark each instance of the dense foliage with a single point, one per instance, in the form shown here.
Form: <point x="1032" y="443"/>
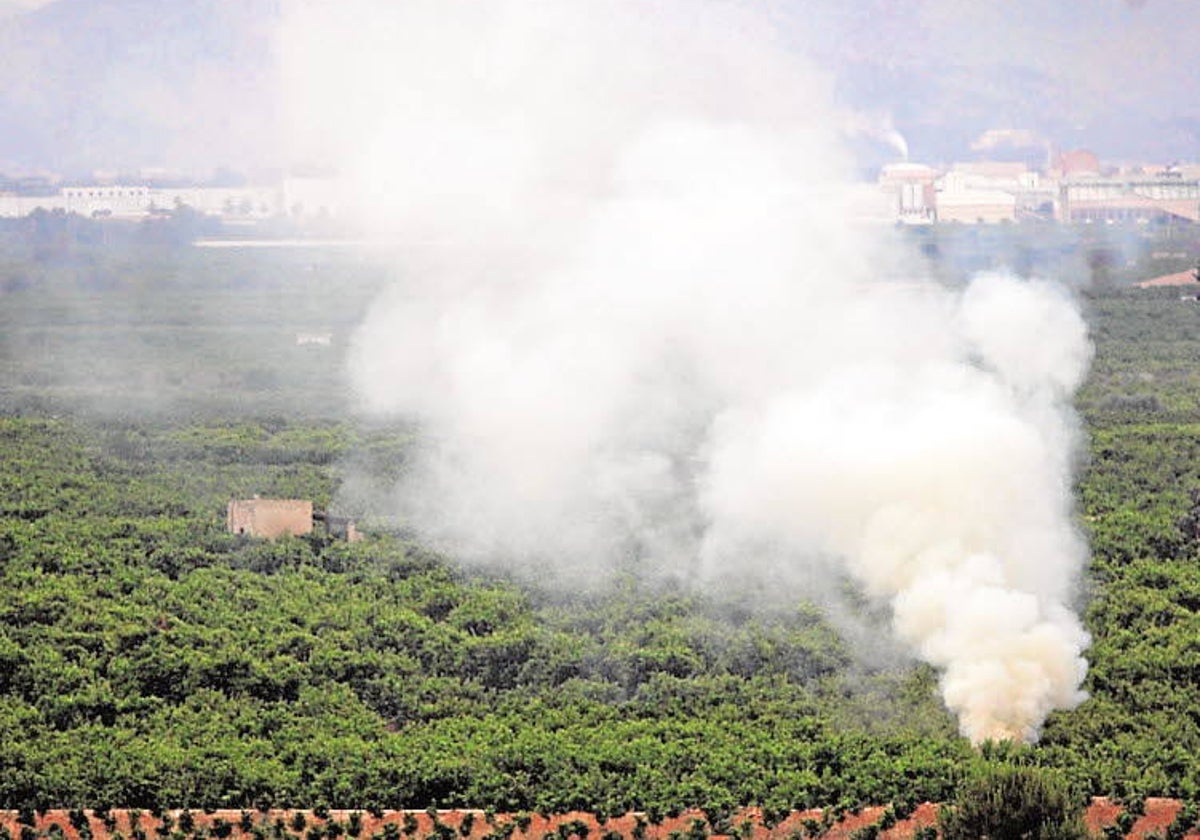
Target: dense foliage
<point x="1013" y="802"/>
<point x="147" y="657"/>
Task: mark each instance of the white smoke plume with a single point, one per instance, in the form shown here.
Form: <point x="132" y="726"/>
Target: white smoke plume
<point x="637" y="321"/>
<point x="878" y="127"/>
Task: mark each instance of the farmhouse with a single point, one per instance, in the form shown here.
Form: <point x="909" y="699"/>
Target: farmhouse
<point x="273" y="518"/>
<point x="270" y="518"/>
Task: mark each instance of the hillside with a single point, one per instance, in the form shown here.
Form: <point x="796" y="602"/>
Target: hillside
<point x="114" y="84"/>
<point x="150" y="659"/>
<point x="122" y="84"/>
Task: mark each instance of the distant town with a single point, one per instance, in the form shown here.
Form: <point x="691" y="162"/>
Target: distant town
<point x="1073" y="187"/>
<point x="138" y="197"/>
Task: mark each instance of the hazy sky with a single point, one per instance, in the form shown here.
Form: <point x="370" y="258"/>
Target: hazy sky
<point x="1109" y="74"/>
<point x="12" y="7"/>
<point x="118" y="83"/>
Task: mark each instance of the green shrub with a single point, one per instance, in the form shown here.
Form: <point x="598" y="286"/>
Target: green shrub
<point x="887" y="819"/>
<point x="1012" y="802"/>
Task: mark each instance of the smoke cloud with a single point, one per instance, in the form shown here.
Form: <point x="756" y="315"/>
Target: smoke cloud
<point x="640" y="327"/>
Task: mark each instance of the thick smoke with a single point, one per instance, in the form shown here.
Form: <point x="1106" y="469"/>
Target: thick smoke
<point x="639" y="326"/>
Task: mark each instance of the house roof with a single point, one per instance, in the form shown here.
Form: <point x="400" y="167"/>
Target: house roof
<point x="1182" y="278"/>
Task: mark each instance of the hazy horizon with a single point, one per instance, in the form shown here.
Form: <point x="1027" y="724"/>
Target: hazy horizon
<point x="126" y="84"/>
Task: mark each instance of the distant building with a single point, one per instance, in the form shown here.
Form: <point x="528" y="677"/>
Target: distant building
<point x="1182" y="278"/>
<point x="274" y="518"/>
<point x="338" y="527"/>
<point x="121" y="200"/>
<point x="270" y="518"/>
<point x="1136" y="198"/>
<point x="980" y="193"/>
<point x="909" y="187"/>
<point x="1079" y="163"/>
<point x="991" y="172"/>
<point x="135" y="201"/>
<point x="226" y="202"/>
<point x="985" y="207"/>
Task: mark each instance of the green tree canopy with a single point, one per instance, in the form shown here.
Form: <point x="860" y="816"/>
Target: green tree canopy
<point x="1013" y="802"/>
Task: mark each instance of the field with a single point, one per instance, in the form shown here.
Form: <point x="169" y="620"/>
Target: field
<point x="149" y="659"/>
<point x="1160" y="818"/>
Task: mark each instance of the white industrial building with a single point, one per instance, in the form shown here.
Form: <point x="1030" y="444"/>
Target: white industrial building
<point x="973" y="194"/>
<point x="132" y="201"/>
<point x="910" y="188"/>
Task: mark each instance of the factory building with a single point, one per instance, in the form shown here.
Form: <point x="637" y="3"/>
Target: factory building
<point x="1134" y="198"/>
<point x="910" y="188"/>
<point x="132" y="201"/>
<point x="977" y="196"/>
<point x="991" y="192"/>
<point x="117" y="201"/>
<point x="976" y="206"/>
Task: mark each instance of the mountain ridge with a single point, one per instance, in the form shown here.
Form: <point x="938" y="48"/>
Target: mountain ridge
<point x="113" y="84"/>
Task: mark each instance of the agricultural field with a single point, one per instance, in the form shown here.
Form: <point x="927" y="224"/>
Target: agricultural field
<point x="149" y="659"/>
